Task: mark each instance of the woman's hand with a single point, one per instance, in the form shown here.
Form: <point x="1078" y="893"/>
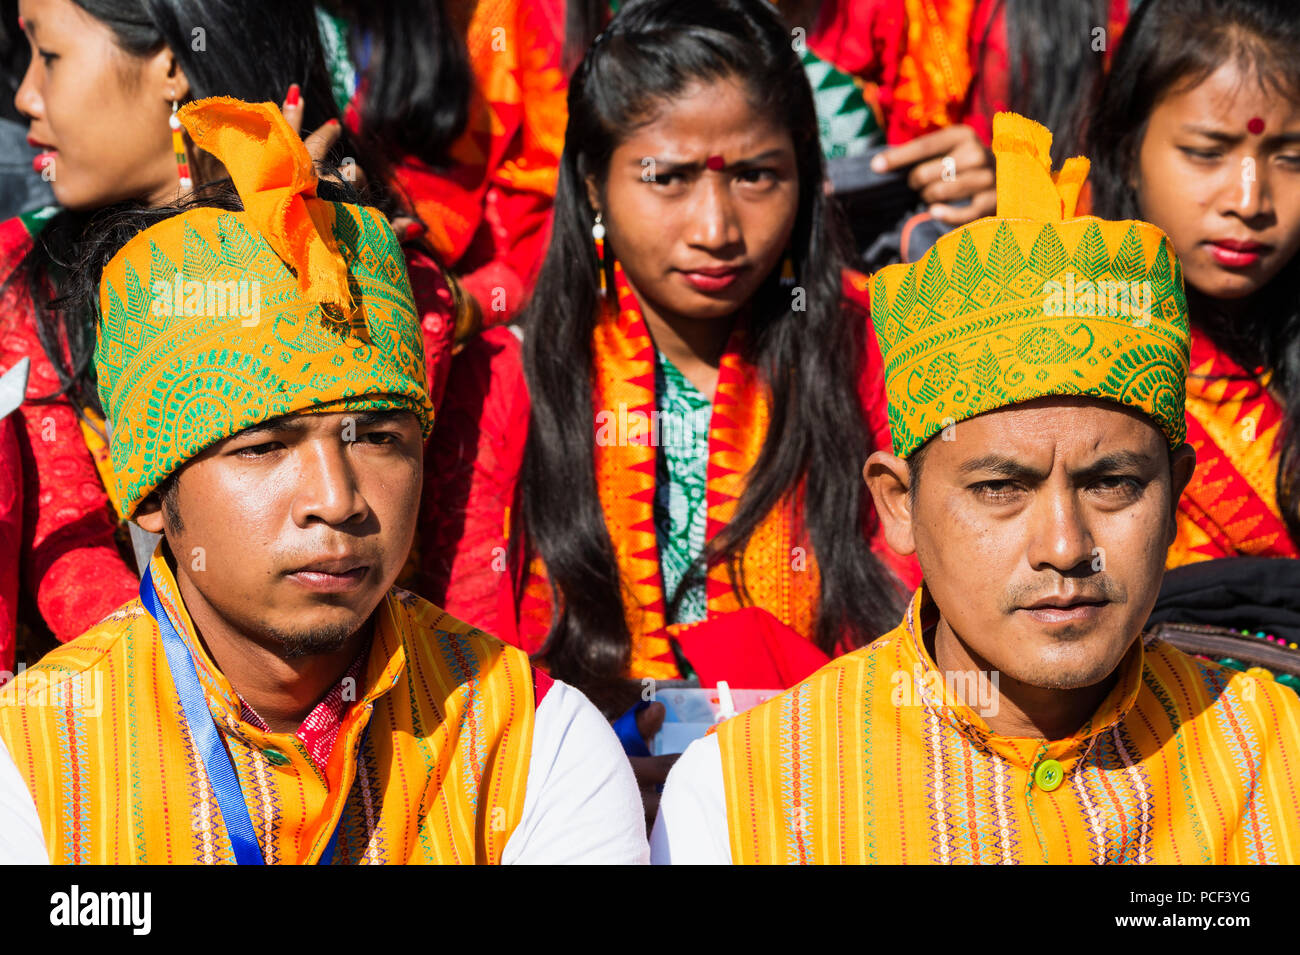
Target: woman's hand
<point x="320" y="142"/>
<point x="948" y="165"/>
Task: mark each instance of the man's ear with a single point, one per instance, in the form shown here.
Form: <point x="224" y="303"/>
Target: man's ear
<point x="149" y="514"/>
<point x="890" y="483"/>
<point x="1181" y="466"/>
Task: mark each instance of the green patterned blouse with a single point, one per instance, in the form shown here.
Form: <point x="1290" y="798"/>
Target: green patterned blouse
<point x="681" y="475"/>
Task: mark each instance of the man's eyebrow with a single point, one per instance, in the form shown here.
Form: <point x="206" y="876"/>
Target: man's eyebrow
<point x="1002" y="465"/>
<point x="374" y="419"/>
<point x="1116" y="461"/>
<point x="291" y="422"/>
<point x="299" y="423"/>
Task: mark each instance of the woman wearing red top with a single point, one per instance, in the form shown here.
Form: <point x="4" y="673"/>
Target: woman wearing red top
<point x="545" y="502"/>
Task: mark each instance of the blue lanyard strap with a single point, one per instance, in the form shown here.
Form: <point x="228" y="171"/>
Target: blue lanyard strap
<point x="207" y="740"/>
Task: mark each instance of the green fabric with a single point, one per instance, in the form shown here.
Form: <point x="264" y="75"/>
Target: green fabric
<point x="36" y="220"/>
<point x="174" y="381"/>
<point x="845" y="122"/>
<point x="681" y="484"/>
<point x="334" y="41"/>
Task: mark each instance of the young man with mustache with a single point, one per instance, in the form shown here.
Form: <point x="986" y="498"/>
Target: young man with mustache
<point x="1016" y="715"/>
<point x="272" y="697"/>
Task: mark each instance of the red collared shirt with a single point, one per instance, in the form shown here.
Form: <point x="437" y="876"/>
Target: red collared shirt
<point x="320" y="729"/>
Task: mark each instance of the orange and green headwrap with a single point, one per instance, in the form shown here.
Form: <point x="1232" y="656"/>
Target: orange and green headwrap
<point x="214" y="321"/>
<point x="1032" y="302"/>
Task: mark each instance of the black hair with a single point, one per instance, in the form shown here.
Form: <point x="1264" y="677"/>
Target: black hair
<point x="652" y="50"/>
<point x="416" y="75"/>
<point x="583" y="21"/>
<point x="914" y="462"/>
<point x="15" y="54"/>
<point x="249" y="49"/>
<point x="1054" y="68"/>
<point x="1177" y="43"/>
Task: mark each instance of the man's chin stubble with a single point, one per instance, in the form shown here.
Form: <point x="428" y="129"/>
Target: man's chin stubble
<point x="316" y="642"/>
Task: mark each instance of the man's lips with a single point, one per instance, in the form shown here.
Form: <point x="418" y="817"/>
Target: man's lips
<point x="331" y="576"/>
<point x="1065" y="608"/>
<point x="1236" y="253"/>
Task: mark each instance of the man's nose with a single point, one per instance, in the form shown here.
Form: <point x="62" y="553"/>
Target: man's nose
<point x="328" y="490"/>
<point x="1060" y="538"/>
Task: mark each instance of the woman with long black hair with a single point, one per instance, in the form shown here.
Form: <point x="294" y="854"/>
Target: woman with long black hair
<point x="104" y="79"/>
<point x="1198" y="131"/>
<point x="683" y="434"/>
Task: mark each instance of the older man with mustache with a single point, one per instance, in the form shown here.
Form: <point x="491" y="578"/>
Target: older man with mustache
<point x="1016" y="715"/>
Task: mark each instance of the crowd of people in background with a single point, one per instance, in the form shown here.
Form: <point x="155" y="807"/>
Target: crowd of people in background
<point x="635" y="296"/>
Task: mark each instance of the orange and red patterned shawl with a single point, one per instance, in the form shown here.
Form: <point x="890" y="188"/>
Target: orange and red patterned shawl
<point x="1230" y="507"/>
<point x="779" y="569"/>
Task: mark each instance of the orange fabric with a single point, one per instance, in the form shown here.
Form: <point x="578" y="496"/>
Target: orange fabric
<point x="912" y="55"/>
<point x="276" y="180"/>
<point x="934" y="72"/>
<point x="488" y="213"/>
<point x="880" y="757"/>
<point x="779" y="568"/>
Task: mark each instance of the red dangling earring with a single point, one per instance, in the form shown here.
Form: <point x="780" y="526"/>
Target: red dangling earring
<point x="598" y="237"/>
<point x="178" y="147"/>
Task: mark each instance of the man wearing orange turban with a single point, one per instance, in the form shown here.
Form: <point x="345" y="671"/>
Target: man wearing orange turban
<point x="1035" y="367"/>
<point x="272" y="697"/>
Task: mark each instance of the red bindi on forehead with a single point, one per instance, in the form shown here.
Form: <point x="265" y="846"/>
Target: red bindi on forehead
<point x="715" y="163"/>
<point x="1255" y="126"/>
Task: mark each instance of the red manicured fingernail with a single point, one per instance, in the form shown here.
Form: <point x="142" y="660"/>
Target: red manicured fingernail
<point x="332" y="122"/>
<point x="413" y="232"/>
<point x="295" y="95"/>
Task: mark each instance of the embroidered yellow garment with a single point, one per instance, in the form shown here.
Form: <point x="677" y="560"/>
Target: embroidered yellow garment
<point x="878" y="758"/>
<point x="98" y="734"/>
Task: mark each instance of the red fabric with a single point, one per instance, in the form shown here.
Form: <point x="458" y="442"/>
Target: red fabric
<point x="866" y="39"/>
<point x="320" y="730"/>
<point x="489" y="212"/>
<point x="68" y="560"/>
<point x="11" y="532"/>
<point x="436" y="307"/>
<point x="542" y="683"/>
<point x="749" y="648"/>
<point x="473" y="463"/>
<point x="990" y="90"/>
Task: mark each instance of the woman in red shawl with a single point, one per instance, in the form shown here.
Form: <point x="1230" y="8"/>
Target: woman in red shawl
<point x="1198" y="131"/>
